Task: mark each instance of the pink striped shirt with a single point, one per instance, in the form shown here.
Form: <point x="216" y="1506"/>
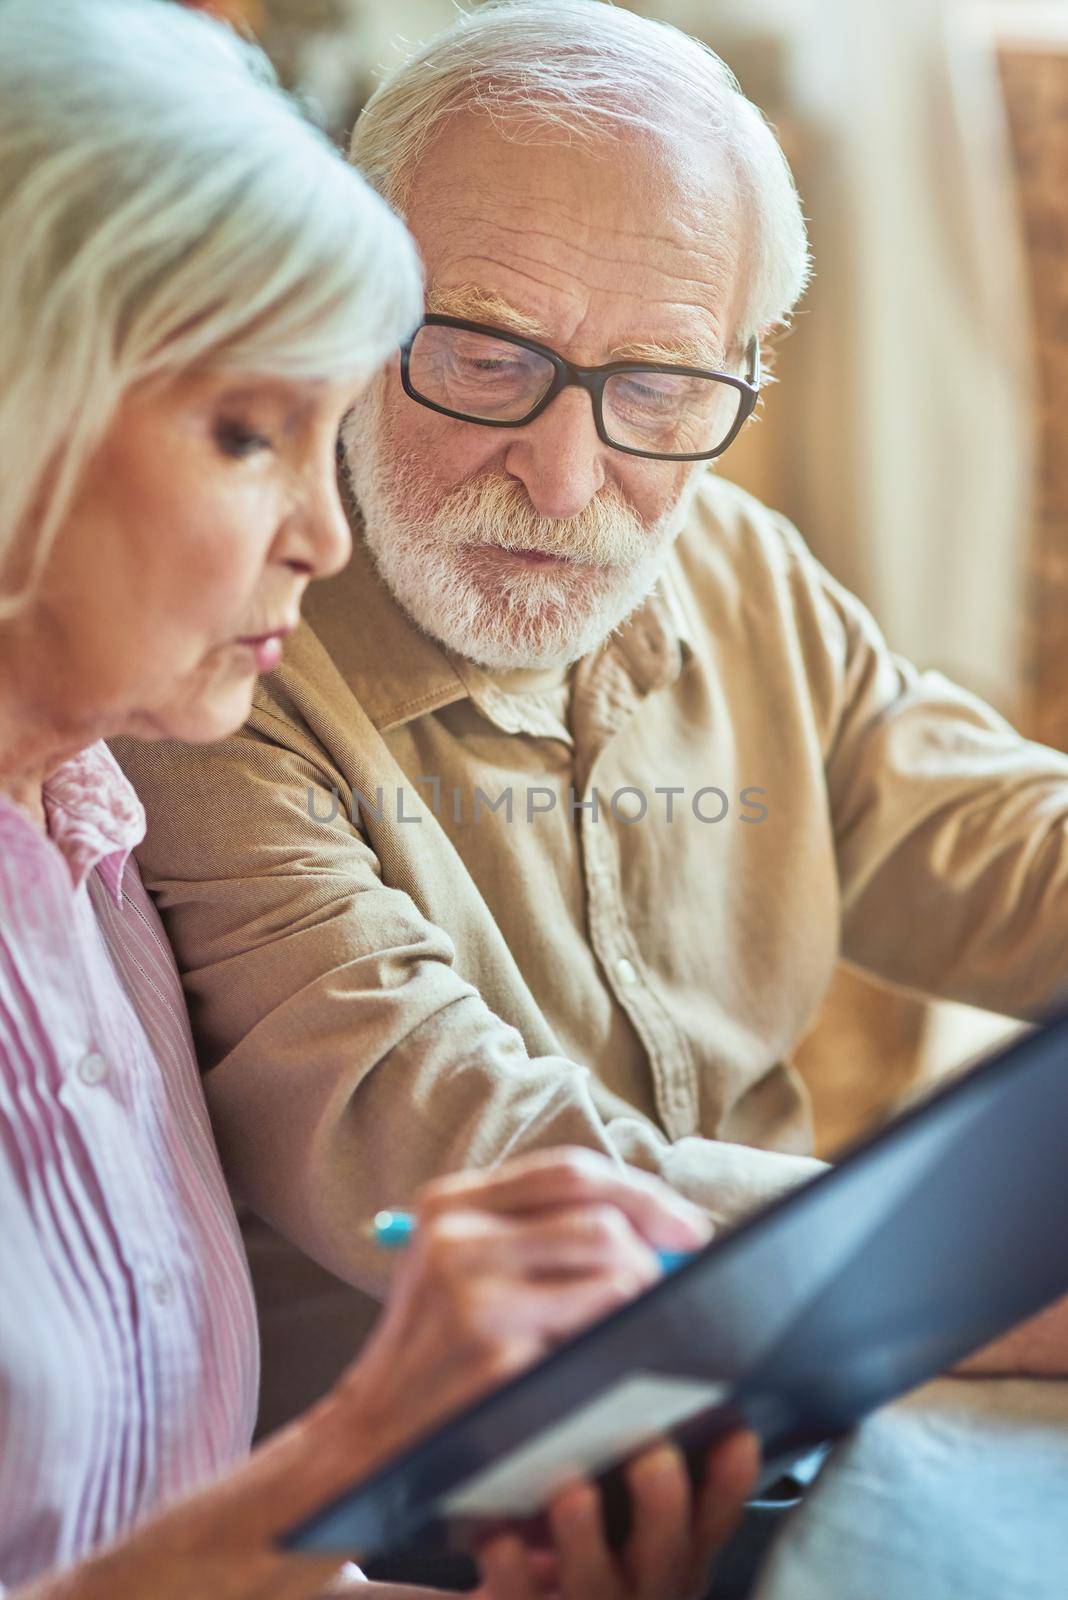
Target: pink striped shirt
<point x="128" y="1346"/>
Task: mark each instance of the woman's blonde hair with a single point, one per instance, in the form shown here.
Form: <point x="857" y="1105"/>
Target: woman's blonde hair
<point x="163" y="205"/>
<point x="578" y="69"/>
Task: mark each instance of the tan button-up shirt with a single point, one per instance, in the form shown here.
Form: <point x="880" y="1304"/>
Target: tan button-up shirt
<point x="603" y="917"/>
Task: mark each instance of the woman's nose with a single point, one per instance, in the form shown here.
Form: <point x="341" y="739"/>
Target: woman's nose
<point x="320" y="540"/>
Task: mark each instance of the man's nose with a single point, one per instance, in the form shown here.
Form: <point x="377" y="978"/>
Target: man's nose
<point x="558" y="457"/>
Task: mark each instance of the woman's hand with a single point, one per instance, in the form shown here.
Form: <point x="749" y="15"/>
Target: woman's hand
<point x="674" y="1534"/>
<point x="504" y="1264"/>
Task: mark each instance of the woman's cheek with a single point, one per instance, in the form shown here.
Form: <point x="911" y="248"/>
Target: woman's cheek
<point x="223" y="573"/>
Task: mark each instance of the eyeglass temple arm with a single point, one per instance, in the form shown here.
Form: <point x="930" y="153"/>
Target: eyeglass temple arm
<point x="753" y="359"/>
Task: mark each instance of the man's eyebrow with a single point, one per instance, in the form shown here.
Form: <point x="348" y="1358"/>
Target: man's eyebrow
<point x="482" y="305"/>
<point x="675" y="352"/>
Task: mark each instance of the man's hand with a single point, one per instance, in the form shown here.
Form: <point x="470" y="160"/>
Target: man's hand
<point x="673" y="1538"/>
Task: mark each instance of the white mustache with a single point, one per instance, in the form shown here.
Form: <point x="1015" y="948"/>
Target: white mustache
<point x="496" y="511"/>
<point x="426" y="546"/>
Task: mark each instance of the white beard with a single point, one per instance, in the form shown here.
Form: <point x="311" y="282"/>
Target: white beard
<point x="438" y="556"/>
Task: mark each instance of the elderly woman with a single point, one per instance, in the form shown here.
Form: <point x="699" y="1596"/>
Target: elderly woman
<point x="193" y="288"/>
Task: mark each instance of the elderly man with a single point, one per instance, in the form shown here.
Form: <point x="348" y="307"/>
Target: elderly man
<point x="575" y="785"/>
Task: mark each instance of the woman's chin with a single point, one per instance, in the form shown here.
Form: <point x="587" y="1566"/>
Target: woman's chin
<point x="212" y="715"/>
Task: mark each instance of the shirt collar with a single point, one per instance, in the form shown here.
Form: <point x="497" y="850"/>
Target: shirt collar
<point x="515" y="710"/>
<point x="94" y="817"/>
<point x="398" y="673"/>
<point x="394" y="669"/>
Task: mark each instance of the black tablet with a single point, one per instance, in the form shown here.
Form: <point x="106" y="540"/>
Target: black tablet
<point x="923" y="1243"/>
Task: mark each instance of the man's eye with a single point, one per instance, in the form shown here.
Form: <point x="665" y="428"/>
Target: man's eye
<point x="492" y="366"/>
<point x="234" y="439"/>
<point x="662" y="395"/>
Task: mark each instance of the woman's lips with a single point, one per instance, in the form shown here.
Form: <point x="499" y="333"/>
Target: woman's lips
<point x="266" y="648"/>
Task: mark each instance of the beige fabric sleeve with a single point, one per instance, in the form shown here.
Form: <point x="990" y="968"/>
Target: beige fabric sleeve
<point x="347" y="1061"/>
<point x="951" y="830"/>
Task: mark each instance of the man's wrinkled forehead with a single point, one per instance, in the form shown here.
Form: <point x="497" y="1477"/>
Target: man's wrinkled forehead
<point x="632" y="242"/>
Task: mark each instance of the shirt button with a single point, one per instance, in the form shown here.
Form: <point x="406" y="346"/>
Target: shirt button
<point x="162" y="1290"/>
<point x="92" y="1069"/>
<point x="626" y="971"/>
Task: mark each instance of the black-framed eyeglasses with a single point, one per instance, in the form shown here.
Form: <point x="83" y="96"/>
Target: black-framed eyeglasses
<point x="666" y="412"/>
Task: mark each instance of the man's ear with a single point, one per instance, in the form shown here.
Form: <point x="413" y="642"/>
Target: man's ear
<point x="770" y="337"/>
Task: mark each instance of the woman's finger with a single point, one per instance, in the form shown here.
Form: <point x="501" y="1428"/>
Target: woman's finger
<point x="547" y="1178"/>
<point x="504" y="1309"/>
<point x="730" y="1475"/>
<point x="510" y="1571"/>
<point x="556" y="1243"/>
<point x="587" y="1568"/>
<point x="657" y="1555"/>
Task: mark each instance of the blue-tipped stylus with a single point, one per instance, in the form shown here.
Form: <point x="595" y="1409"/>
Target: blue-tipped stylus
<point x="392" y="1230"/>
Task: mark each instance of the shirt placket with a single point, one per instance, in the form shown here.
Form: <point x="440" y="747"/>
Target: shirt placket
<point x="609" y="690"/>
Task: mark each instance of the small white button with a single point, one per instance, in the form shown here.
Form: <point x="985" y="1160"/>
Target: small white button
<point x="626" y="972"/>
<point x="92" y="1069"/>
<point x="629" y="805"/>
<point x="162" y="1289"/>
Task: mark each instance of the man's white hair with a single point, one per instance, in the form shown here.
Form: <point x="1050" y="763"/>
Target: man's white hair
<point x="163" y="206"/>
<point x="579" y="69"/>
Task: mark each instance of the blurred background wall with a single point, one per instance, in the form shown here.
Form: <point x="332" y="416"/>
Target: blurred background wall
<point x="915" y="430"/>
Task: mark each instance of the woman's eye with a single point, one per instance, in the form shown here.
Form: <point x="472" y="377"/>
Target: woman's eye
<point x="234" y="439"/>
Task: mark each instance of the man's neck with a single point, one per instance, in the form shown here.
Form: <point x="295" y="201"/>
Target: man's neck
<point x="529" y="680"/>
